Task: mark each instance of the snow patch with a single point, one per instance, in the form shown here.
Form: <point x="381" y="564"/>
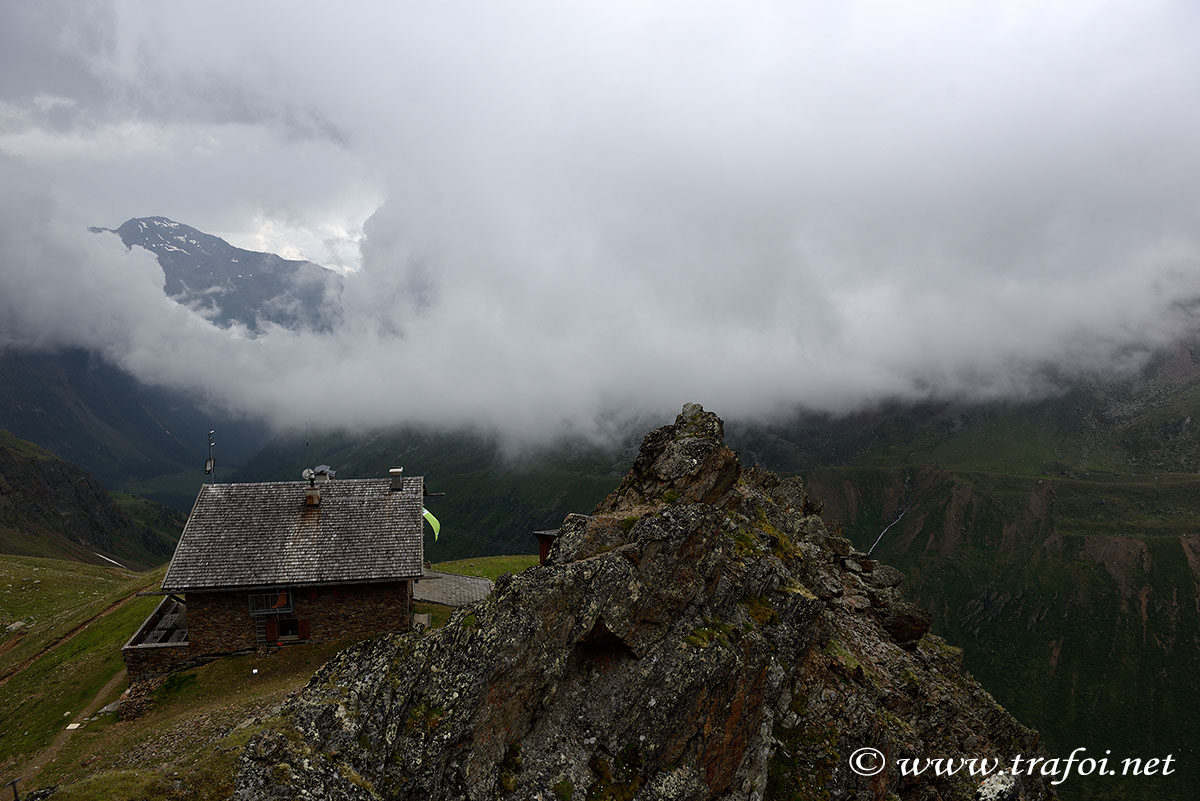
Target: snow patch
<point x="106" y="559"/>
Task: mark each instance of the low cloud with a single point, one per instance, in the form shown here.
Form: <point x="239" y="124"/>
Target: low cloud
<point x="590" y="219"/>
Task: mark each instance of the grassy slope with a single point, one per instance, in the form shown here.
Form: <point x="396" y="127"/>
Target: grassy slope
<point x="146" y="440"/>
<point x="56" y="510"/>
<point x="24" y="448"/>
<point x="491" y="567"/>
<point x="161" y="526"/>
<point x="185" y="746"/>
<point x="152" y="545"/>
<point x="44" y="544"/>
<point x="53" y="598"/>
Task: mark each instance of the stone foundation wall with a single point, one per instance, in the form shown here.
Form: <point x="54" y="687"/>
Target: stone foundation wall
<point x="220" y="622"/>
<point x="147" y="661"/>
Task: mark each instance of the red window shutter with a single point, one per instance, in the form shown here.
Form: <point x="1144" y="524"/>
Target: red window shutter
<point x="272" y="630"/>
<point x="312" y="594"/>
<point x="303" y="626"/>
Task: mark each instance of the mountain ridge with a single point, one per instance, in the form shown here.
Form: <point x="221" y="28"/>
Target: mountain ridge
<point x="231" y="284"/>
<point x="145" y="440"/>
<point x="50" y="507"/>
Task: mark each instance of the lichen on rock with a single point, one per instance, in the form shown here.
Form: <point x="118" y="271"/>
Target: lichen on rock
<point x="700" y="635"/>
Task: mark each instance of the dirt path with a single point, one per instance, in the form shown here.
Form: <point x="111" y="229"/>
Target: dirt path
<point x="39" y="762"/>
<point x="66" y="637"/>
<point x="11" y="642"/>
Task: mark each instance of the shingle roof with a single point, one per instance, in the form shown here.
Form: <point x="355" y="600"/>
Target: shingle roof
<point x="245" y="535"/>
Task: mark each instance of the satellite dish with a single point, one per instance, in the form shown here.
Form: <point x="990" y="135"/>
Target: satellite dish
<point x="307" y="474"/>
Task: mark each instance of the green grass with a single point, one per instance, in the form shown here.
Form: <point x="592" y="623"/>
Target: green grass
<point x="118" y="784"/>
<point x="441" y="614"/>
<point x="160" y="525"/>
<point x="44" y="544"/>
<point x="54" y="596"/>
<point x="198" y="721"/>
<point x="186" y="726"/>
<point x="205" y="714"/>
<point x="23" y="448"/>
<point x="491" y="567"/>
<point x="184" y="747"/>
<point x="40" y="700"/>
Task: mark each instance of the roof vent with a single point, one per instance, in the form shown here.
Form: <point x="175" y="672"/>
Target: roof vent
<point x="324" y="472"/>
<point x="397" y="476"/>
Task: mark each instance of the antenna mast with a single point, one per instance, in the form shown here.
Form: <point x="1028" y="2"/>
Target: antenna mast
<point x="209" y="464"/>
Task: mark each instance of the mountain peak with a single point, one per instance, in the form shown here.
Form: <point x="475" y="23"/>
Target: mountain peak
<point x="230" y="284"/>
<point x="688" y="459"/>
<point x="162" y="222"/>
<point x="162" y="234"/>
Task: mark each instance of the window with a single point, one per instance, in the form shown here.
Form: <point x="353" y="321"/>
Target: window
<point x="287" y="629"/>
<point x="277" y="602"/>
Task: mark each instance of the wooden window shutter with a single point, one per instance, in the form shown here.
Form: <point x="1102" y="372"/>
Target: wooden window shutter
<point x="312" y="594"/>
<point x="272" y="630"/>
<point x="303" y="629"/>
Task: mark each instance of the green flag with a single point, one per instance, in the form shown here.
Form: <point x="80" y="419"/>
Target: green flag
<point x="433" y="521"/>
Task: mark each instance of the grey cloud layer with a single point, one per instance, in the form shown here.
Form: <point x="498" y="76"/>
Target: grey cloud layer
<point x="614" y="210"/>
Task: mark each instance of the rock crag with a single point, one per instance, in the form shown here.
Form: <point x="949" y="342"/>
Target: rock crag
<point x="701" y="635"/>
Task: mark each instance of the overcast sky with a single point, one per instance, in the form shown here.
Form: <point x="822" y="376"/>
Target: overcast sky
<point x="555" y="215"/>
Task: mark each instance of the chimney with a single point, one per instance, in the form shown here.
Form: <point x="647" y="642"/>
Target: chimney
<point x="312" y="494"/>
<point x="397" y="476"/>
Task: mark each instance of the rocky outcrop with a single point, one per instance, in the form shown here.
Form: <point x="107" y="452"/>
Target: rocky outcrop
<point x="682" y="463"/>
<point x="700" y="635"/>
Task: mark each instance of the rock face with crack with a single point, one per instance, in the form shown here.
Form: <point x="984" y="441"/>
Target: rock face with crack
<point x="701" y="635"/>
